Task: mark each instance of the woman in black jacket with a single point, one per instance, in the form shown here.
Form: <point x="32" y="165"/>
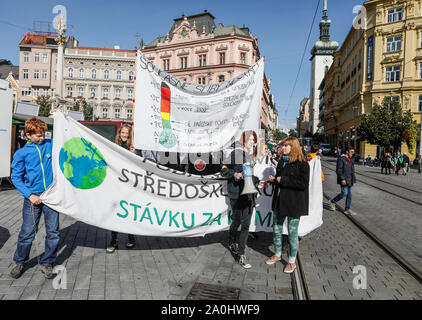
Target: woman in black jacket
<point x="241" y="204"/>
<point x="291" y="199"/>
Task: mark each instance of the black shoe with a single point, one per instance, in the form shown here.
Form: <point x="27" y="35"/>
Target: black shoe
<point x="112" y="247"/>
<point x="130" y="241"/>
<point x="48" y="271"/>
<point x="16" y="272"/>
<point x="234" y="248"/>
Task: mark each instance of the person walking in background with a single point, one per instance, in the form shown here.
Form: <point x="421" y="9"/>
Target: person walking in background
<point x="123" y="139"/>
<point x="406" y="163"/>
<point x="22" y="139"/>
<point x="397" y="164"/>
<point x="346" y="178"/>
<point x="418" y="161"/>
<point x="290" y="199"/>
<point x="384" y="163"/>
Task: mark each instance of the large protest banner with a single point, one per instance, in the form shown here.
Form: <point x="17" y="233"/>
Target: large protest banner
<point x="102" y="184"/>
<point x="6" y="99"/>
<point x="174" y="115"/>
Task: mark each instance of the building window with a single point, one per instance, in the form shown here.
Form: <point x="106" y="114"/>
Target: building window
<point x="395" y="15"/>
<point x="44" y="75"/>
<point x="393" y="98"/>
<point x="243" y="58"/>
<point x="94" y="74"/>
<point x="420" y="104"/>
<point x="130" y="94"/>
<point x="183" y="62"/>
<point x="55" y="75"/>
<point x="70" y="73"/>
<point x="420" y="71"/>
<point x="69" y="91"/>
<point x="36" y="74"/>
<point x="36" y="92"/>
<point x="131" y="75"/>
<point x="56" y="58"/>
<point x="129" y="114"/>
<point x="53" y="92"/>
<point x="26" y="57"/>
<point x="44" y="58"/>
<point x="119" y="75"/>
<point x="394" y="44"/>
<point x="80" y="92"/>
<point x="202" y="60"/>
<point x="105" y="93"/>
<point x="81" y="73"/>
<point x="392" y="74"/>
<point x="117" y="93"/>
<point x="222" y="58"/>
<point x="106" y="74"/>
<point x="201" y="80"/>
<point x="92" y="94"/>
<point x="117" y="113"/>
<point x="105" y="112"/>
<point x="220" y="78"/>
<point x="37" y="57"/>
<point x="25" y="74"/>
<point x="166" y="64"/>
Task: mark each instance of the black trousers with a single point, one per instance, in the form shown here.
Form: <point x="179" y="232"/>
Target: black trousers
<point x="240" y="216"/>
<point x="130" y="237"/>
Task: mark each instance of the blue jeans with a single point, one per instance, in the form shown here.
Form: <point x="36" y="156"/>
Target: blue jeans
<point x="27" y="233"/>
<point x="346" y="191"/>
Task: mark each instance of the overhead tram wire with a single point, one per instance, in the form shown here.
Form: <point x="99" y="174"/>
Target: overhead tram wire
<point x="303" y="56"/>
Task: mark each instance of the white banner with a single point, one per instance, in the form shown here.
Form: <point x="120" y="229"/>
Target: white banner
<point x="102" y="184"/>
<point x="6" y="106"/>
<point x="174" y="115"/>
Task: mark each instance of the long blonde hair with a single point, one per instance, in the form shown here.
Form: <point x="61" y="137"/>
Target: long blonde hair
<point x="296" y="153"/>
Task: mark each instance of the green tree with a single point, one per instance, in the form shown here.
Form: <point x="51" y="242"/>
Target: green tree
<point x="278" y="135"/>
<point x="293" y="133"/>
<point x="83" y="106"/>
<point x="388" y="126"/>
<point x="45" y="105"/>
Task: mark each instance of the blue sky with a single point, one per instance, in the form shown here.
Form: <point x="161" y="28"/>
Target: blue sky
<point x="281" y="26"/>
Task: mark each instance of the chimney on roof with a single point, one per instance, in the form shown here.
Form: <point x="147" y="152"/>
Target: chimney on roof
<point x="116" y="46"/>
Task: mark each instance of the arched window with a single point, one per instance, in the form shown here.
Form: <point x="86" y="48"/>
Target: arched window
<point x="119" y="75"/>
<point x="70" y="73"/>
<point x="131" y="75"/>
<point x="106" y="74"/>
<point x="94" y="74"/>
<point x="81" y="73"/>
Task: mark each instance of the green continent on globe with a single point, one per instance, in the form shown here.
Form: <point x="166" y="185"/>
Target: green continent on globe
<point x="82" y="163"/>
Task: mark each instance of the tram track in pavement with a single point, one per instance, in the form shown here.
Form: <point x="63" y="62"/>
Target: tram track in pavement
<point x="417" y="194"/>
<point x="299" y="284"/>
<point x="402" y="262"/>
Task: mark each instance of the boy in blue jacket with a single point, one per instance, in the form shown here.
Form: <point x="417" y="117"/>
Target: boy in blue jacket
<point x="32" y="173"/>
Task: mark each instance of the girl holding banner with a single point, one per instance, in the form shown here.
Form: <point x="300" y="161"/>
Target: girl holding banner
<point x="123" y="139"/>
<point x="291" y="199"/>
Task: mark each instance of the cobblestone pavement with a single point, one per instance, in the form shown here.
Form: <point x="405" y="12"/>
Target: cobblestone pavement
<point x="157" y="268"/>
<point x="395" y="221"/>
<point x="330" y="253"/>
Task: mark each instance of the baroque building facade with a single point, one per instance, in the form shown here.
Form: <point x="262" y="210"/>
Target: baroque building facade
<point x="382" y="60"/>
<point x="196" y="50"/>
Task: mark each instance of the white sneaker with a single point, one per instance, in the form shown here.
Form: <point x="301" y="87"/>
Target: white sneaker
<point x="350" y="212"/>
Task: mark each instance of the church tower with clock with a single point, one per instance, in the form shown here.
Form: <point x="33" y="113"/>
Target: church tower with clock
<point x="322" y="58"/>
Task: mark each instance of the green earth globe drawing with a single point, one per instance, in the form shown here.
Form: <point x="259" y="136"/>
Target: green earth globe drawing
<point x="82" y="163"/>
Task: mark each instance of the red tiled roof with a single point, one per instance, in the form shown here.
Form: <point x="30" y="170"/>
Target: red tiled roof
<point x="104" y="49"/>
<point x="36" y="39"/>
